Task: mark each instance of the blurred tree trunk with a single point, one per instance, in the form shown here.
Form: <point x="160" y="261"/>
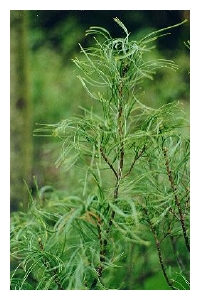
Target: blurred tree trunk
<point x="21" y="143"/>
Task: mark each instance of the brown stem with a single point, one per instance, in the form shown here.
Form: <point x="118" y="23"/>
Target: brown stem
<point x="102" y="245"/>
<point x="47" y="265"/>
<point x="121" y="152"/>
<point x="177" y="201"/>
<point x="118" y="175"/>
<point x="161" y="260"/>
<point x="120" y="129"/>
<point x="153" y="230"/>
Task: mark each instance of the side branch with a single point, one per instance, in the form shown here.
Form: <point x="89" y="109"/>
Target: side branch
<point x="108" y="162"/>
<point x="134" y="161"/>
<point x="177" y="201"/>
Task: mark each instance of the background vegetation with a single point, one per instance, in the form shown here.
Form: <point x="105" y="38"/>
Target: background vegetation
<point x="56" y="94"/>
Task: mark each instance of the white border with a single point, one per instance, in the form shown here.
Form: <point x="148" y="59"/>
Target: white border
<point x="5" y="148"/>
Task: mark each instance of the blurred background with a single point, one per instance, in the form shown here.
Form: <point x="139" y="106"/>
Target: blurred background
<point x="45" y="88"/>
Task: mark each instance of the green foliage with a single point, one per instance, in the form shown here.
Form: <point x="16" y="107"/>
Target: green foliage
<point x="128" y="221"/>
<point x="57" y="94"/>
